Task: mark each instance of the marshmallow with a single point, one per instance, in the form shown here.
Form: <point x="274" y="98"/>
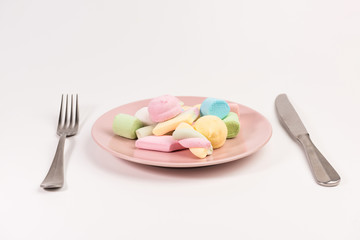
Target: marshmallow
<point x="214" y="106"/>
<point x="233" y="125"/>
<point x="195" y="143"/>
<point x="126" y="125"/>
<point x="184" y="108"/>
<point x="198" y="106"/>
<point x="164" y="108"/>
<point x="159" y="143"/>
<point x="184" y="131"/>
<point x="234" y="107"/>
<point x="184" y="125"/>
<point x="181" y="133"/>
<point x="144" y="131"/>
<point x="201" y="152"/>
<point x="213" y="128"/>
<point x="189" y="116"/>
<point x="143" y="115"/>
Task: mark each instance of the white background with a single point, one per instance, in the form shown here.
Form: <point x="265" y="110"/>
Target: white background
<point x="115" y="52"/>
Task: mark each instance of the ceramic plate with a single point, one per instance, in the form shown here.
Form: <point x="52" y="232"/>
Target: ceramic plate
<point x="255" y="132"/>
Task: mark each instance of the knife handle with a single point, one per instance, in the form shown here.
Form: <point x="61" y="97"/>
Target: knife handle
<point x="323" y="172"/>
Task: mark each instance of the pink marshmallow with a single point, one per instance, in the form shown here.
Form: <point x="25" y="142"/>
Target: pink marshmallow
<point x="164" y="108"/>
<point x="234" y="107"/>
<point x="159" y="143"/>
<point x="195" y="143"/>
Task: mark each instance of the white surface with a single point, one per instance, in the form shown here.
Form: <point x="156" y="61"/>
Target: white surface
<point x="115" y="52"/>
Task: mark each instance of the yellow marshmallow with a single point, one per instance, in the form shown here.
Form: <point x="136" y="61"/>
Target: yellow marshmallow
<point x="184" y="125"/>
<point x="213" y="128"/>
<point x="188" y="116"/>
<point x="199" y="152"/>
<point x="185" y="107"/>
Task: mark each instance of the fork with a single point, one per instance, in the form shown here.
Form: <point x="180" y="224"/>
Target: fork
<point x="67" y="127"/>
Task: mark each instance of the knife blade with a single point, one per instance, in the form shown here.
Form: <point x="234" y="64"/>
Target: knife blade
<point x="323" y="172"/>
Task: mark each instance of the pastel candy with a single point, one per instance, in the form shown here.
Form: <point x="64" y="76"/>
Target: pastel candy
<point x="184" y="125"/>
<point x="213" y="128"/>
<point x="233" y="125"/>
<point x="214" y="106"/>
<point x="143" y="115"/>
<point x="159" y="143"/>
<point x="195" y="143"/>
<point x="184" y="131"/>
<point x="184" y="108"/>
<point x="201" y="152"/>
<point x="234" y="107"/>
<point x="144" y="131"/>
<point x="126" y="125"/>
<point x="164" y="108"/>
<point x="181" y="133"/>
<point x="198" y="106"/>
<point x="189" y="116"/>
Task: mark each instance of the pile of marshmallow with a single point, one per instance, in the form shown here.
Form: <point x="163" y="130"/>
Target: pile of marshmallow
<point x="167" y="125"/>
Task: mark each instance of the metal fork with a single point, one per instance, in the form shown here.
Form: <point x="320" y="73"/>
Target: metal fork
<point x="67" y="127"/>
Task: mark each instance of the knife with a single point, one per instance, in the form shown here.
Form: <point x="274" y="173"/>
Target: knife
<point x="324" y="173"/>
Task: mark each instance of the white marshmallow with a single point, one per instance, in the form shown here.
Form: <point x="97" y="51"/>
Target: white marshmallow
<point x="143" y="115"/>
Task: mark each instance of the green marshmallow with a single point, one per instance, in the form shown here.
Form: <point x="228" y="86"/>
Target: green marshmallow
<point x="145" y="131"/>
<point x="126" y="125"/>
<point x="233" y="124"/>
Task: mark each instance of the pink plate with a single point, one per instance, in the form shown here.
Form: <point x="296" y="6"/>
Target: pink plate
<point x="255" y="132"/>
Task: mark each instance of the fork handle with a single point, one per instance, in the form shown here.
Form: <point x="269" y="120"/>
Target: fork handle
<point x="55" y="176"/>
<point x="323" y="172"/>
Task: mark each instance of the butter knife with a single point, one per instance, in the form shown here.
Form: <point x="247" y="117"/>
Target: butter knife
<point x="323" y="172"/>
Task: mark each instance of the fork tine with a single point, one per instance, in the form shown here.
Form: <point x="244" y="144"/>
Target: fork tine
<point x="77" y="112"/>
<point x="61" y="111"/>
<point x="71" y="112"/>
<point x="66" y="112"/>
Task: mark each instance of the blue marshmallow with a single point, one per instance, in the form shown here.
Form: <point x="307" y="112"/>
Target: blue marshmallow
<point x="214" y="106"/>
